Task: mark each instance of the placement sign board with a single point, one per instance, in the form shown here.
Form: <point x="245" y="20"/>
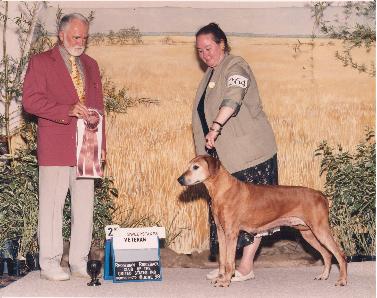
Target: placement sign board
<point x="133" y="254"/>
<point x="136" y="258"/>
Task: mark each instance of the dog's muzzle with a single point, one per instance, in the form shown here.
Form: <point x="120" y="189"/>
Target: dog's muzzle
<point x="181" y="180"/>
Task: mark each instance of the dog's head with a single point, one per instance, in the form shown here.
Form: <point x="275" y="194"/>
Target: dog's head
<point x="199" y="169"/>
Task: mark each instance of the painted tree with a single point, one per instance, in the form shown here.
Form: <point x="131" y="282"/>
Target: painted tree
<point x="12" y="67"/>
<point x="356" y="28"/>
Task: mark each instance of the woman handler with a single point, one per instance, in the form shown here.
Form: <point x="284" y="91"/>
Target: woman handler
<point x="229" y="123"/>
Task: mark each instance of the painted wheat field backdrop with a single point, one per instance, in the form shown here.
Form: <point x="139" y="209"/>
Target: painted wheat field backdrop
<point x="307" y="95"/>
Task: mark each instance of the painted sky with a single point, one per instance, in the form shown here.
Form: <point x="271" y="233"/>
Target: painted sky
<point x="260" y="18"/>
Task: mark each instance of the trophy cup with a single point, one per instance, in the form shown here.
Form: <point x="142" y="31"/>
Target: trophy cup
<point x="94" y="268"/>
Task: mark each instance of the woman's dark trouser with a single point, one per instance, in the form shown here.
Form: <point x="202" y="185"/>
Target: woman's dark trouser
<point x="264" y="173"/>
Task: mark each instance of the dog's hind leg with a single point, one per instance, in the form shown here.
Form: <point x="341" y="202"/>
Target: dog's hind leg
<point x="323" y="234"/>
<point x="312" y="240"/>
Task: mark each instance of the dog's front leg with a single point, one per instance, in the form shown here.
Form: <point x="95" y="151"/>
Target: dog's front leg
<point x="230" y="244"/>
<point x="222" y="251"/>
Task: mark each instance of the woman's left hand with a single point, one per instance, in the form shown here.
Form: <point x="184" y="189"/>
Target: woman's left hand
<point x="211" y="139"/>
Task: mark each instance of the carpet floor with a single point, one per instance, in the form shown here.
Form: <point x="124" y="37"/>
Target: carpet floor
<point x="189" y="282"/>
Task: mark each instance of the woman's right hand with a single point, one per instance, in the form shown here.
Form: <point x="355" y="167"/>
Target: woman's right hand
<point x="211" y="139"/>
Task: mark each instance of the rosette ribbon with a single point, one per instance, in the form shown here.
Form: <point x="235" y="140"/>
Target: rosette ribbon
<point x="88" y="161"/>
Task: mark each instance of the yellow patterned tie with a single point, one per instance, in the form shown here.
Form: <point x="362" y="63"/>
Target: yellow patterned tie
<point x="77" y="80"/>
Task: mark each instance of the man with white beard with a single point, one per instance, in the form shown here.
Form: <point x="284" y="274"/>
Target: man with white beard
<point x="60" y="85"/>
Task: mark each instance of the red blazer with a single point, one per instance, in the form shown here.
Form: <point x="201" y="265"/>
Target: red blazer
<point x="48" y="93"/>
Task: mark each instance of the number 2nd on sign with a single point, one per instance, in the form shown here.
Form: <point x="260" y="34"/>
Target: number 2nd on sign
<point x="109" y="231"/>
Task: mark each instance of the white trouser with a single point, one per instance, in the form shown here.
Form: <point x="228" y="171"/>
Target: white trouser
<point x="54" y="182"/>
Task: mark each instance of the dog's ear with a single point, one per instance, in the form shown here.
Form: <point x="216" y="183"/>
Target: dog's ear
<point x="213" y="165"/>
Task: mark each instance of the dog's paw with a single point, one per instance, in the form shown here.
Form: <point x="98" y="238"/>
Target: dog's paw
<point x="341" y="282"/>
<point x="222" y="283"/>
<point x="217" y="278"/>
<point x="322" y="276"/>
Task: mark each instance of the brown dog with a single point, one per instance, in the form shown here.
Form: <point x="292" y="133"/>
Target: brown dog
<point x="256" y="208"/>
